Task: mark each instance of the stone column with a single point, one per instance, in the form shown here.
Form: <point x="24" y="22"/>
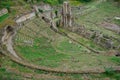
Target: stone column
<point x="66" y="20"/>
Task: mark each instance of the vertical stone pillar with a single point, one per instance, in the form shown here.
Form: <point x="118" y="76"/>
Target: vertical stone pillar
<point x="66" y="14"/>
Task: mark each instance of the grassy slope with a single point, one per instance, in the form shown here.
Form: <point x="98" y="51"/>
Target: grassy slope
<point x="65" y="48"/>
<point x="103" y="11"/>
<point x="56" y="50"/>
<point x="10" y="3"/>
<point x="84" y="58"/>
<point x="16" y="8"/>
<point x="45" y="52"/>
<point x="2" y="18"/>
<point x="7" y="74"/>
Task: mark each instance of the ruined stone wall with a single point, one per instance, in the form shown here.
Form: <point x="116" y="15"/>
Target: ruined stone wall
<point x="97" y="37"/>
<point x="43" y="10"/>
<point x="46" y="12"/>
<point x="25" y="17"/>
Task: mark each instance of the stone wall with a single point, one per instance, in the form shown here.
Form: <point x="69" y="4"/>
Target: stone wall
<point x="44" y="10"/>
<point x="25" y="17"/>
<point x="98" y="37"/>
<point x="3" y="12"/>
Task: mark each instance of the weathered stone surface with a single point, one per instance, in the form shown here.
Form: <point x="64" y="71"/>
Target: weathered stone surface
<point x="3" y="12"/>
<point x="25" y="17"/>
<point x="66" y="19"/>
<point x="7" y="40"/>
<point x="43" y="10"/>
<point x="112" y="27"/>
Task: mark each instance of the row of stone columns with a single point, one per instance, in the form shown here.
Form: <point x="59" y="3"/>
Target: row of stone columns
<point x="66" y="15"/>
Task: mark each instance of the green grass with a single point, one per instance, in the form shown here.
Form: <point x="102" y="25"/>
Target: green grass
<point x="85" y="41"/>
<point x="4" y="4"/>
<point x="104" y="10"/>
<point x="2" y="18"/>
<point x="117" y="22"/>
<point x="10" y="76"/>
<point x="75" y="3"/>
<point x="7" y="75"/>
<point x="116" y="59"/>
<point x="73" y="47"/>
<point x="10" y="3"/>
<point x="65" y="54"/>
<point x="91" y="44"/>
<point x="59" y="53"/>
<point x="54" y="50"/>
<point x="45" y="57"/>
<point x="42" y="53"/>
